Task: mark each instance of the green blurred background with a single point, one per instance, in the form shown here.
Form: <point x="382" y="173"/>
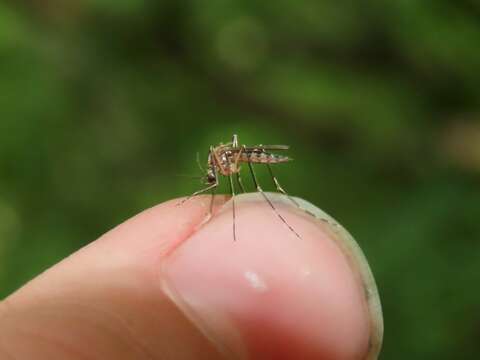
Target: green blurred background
<point x="104" y="102"/>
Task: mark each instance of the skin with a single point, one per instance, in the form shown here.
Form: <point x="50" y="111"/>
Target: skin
<point x="168" y="284"/>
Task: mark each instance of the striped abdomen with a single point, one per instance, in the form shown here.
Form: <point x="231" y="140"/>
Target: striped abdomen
<point x="263" y="158"/>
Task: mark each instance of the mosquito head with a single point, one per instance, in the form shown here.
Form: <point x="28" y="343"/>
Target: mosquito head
<point x="211" y="178"/>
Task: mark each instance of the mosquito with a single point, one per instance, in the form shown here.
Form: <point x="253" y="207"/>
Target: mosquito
<point x="226" y="160"/>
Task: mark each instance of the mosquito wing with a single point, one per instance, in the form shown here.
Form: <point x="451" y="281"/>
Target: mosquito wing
<point x="268" y="147"/>
<point x="260" y="148"/>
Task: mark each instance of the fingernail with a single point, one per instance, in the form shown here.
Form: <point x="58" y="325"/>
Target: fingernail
<point x="269" y="294"/>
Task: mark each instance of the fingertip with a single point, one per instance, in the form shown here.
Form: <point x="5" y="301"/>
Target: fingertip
<point x="270" y="294"/>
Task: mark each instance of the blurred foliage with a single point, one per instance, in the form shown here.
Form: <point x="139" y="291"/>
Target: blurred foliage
<point x="102" y="102"/>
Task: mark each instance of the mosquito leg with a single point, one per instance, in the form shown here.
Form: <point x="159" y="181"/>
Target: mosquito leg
<point x="279" y="187"/>
<point x="255" y="181"/>
<point x="240" y="182"/>
<point x="232" y="189"/>
<point x="211" y="201"/>
<point x="235" y="164"/>
<point x="211" y="187"/>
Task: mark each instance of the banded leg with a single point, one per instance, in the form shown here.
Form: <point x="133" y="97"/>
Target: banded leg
<point x="260" y="190"/>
